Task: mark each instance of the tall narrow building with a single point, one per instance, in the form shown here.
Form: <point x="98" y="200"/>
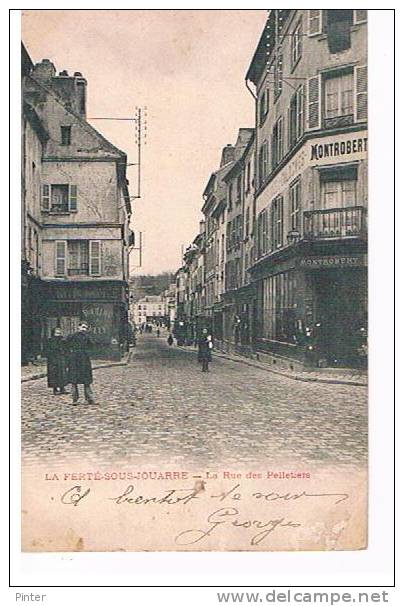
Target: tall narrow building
<point x="310" y="76"/>
<point x="81" y="212"/>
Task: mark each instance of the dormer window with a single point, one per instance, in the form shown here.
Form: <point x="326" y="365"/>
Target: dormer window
<point x="66" y="135"/>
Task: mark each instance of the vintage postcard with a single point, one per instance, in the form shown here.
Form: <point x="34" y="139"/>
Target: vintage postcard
<point x="194" y="280"/>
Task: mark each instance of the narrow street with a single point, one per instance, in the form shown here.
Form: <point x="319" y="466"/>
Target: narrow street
<point x="162" y="408"/>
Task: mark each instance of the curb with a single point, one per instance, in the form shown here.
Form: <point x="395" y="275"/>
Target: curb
<point x="283" y="374"/>
<point x="42" y="375"/>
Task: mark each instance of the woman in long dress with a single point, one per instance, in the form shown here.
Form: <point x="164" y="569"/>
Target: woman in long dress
<point x="57" y="362"/>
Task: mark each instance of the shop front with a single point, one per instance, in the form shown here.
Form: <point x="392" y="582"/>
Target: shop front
<point x="312" y="307"/>
<point x="103" y="305"/>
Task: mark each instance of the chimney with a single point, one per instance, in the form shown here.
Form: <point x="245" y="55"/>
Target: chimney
<point x="44" y="71"/>
<point x="72" y="89"/>
<point x="228" y="154"/>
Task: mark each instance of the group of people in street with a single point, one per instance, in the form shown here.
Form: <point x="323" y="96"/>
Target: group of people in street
<point x="68" y="361"/>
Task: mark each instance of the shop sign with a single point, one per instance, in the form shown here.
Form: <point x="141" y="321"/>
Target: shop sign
<point x="321" y="151"/>
<point x="339" y="149"/>
<point x="334" y="261"/>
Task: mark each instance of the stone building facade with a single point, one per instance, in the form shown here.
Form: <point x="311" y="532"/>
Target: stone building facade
<point x="295" y="208"/>
<point x="81" y="212"/>
<point x="310" y="75"/>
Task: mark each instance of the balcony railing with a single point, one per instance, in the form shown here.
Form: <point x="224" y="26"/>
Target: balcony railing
<point x="335" y="223"/>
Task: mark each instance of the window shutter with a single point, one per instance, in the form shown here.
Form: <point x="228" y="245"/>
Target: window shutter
<point x="95" y="257"/>
<point x="72" y="197"/>
<point x="46" y="197"/>
<point x="313" y="103"/>
<point x="60" y="258"/>
<point x="361" y="93"/>
<point x="360" y="16"/>
<point x="300" y="112"/>
<point x="280" y="138"/>
<point x="315" y="21"/>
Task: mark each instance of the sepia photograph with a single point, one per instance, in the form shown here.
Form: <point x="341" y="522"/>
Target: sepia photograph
<point x="194" y="286"/>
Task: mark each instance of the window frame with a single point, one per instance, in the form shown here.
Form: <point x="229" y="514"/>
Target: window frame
<point x="278" y="76"/>
<point x="311" y="18"/>
<point x="295" y="57"/>
<point x="277" y="223"/>
<point x="66" y="129"/>
<point x="295" y="210"/>
<point x="338" y="77"/>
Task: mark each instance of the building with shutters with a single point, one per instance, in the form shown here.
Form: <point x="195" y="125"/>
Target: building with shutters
<point x="310" y="76"/>
<point x="239" y="293"/>
<point x="80" y="213"/>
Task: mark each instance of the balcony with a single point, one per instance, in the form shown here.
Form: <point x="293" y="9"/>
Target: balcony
<point x="333" y="223"/>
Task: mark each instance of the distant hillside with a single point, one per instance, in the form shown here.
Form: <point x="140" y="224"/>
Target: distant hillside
<point x="141" y="286"/>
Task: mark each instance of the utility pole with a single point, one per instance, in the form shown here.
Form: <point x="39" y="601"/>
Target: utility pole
<point x="140" y="121"/>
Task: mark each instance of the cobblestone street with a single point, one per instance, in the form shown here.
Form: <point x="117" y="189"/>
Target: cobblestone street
<point x="162" y="408"/>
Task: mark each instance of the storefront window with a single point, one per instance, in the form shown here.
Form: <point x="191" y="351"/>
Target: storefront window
<point x="279" y="318"/>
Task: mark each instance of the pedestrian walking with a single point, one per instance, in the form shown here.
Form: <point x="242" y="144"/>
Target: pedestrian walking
<point x="170" y="340"/>
<point x="56" y="355"/>
<point x="80" y="371"/>
<point x="205" y="346"/>
<point x="158" y="332"/>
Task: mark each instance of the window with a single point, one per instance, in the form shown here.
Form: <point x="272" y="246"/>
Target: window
<point x="78" y="257"/>
<point x="59" y="198"/>
<point x="264" y="105"/>
<point x="263" y="163"/>
<point x="338" y="187"/>
<point x="279" y="298"/>
<point x="247" y="222"/>
<point x="277" y="142"/>
<point x="228" y="235"/>
<point x="248" y="177"/>
<point x="277" y="223"/>
<point x="296" y="41"/>
<point x="339" y="100"/>
<point x="262" y="227"/>
<point x="239" y="187"/>
<point x="338" y="194"/>
<point x="278" y="77"/>
<point x="66" y="134"/>
<point x="230" y="192"/>
<point x="296" y="114"/>
<point x="295" y="205"/>
<point x="315" y="21"/>
<point x="339" y="23"/>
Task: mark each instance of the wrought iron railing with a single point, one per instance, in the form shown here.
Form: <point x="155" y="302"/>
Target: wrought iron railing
<point x="335" y="223"/>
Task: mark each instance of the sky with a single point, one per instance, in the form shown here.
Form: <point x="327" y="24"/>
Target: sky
<point x="188" y="68"/>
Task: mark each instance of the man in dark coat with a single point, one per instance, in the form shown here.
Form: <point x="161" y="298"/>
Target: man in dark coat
<point x="56" y="355"/>
<point x="80" y="371"/>
<point x="204" y="350"/>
